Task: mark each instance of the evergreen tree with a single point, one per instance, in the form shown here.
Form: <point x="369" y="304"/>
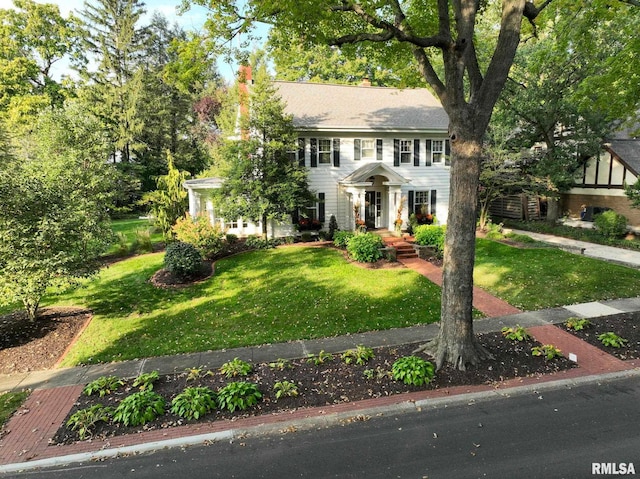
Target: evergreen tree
<point x="261" y="182"/>
<point x="115" y="90"/>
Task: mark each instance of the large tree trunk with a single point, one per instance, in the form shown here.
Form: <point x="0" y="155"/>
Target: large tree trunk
<point x="456" y="343"/>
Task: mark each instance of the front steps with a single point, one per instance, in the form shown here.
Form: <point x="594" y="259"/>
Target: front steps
<point x="404" y="249"/>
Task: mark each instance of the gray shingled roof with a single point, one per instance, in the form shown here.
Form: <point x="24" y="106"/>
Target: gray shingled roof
<point x="318" y="106"/>
<point x="629" y="152"/>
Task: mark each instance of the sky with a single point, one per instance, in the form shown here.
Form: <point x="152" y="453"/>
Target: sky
<point x="192" y="20"/>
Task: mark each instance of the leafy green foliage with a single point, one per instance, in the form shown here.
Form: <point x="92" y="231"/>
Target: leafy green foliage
<point x="238" y="395"/>
<point x="53" y="224"/>
<point x="256" y="242"/>
<point x="320" y="358"/>
<point x="207" y="238"/>
<point x="194" y="402"/>
<point x="145" y="380"/>
<point x="412" y="370"/>
<point x="611" y="339"/>
<point x="341" y="238"/>
<point x="84" y="420"/>
<point x="548" y="351"/>
<point x="577" y="324"/>
<point x="281" y="364"/>
<point x="430" y="235"/>
<point x="285" y="389"/>
<point x="360" y="355"/>
<point x="197" y="373"/>
<point x="139" y="408"/>
<point x="169" y="201"/>
<point x="611" y="224"/>
<point x="183" y="260"/>
<point x="103" y="385"/>
<point x="517" y="333"/>
<point x="235" y="367"/>
<point x="365" y="247"/>
<point x="261" y="183"/>
<point x="142" y="242"/>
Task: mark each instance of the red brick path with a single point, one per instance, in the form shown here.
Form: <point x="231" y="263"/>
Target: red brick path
<point x="489" y="305"/>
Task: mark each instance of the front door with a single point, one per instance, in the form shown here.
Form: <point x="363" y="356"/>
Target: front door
<point x="373" y="209"/>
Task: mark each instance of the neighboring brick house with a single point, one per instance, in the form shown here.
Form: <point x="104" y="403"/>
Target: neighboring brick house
<point x="600" y="183"/>
<point x="368" y="151"/>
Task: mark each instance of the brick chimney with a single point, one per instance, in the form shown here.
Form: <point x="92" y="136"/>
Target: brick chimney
<point x="245" y="78"/>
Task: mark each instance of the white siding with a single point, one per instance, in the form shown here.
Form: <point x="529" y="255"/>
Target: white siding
<point x="325" y="178"/>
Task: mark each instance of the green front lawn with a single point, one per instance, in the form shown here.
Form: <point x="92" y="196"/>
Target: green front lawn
<point x="538" y="278"/>
<point x="129" y="228"/>
<point x="254" y="298"/>
<point x="9" y="403"/>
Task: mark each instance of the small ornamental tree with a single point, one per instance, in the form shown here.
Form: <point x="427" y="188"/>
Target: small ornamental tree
<point x="261" y="182"/>
<point x="53" y="226"/>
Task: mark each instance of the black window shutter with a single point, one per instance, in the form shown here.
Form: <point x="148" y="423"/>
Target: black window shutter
<point x="321" y="207"/>
<point x="379" y="149"/>
<point x="357" y="149"/>
<point x="411" y="202"/>
<point x="447" y="153"/>
<point x="295" y="217"/>
<point x="416" y="152"/>
<point x="314" y="152"/>
<point x="396" y="152"/>
<point x="428" y="143"/>
<point x="301" y="148"/>
<point x="336" y="152"/>
<point x="433" y="202"/>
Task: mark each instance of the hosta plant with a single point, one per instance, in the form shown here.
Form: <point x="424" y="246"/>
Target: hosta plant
<point x="413" y="370"/>
<point x="235" y="367"/>
<point x="577" y="324"/>
<point x="360" y="355"/>
<point x="238" y="395"/>
<point x="145" y="380"/>
<point x="84" y="420"/>
<point x="285" y="389"/>
<point x="517" y="333"/>
<point x="612" y="339"/>
<point x="321" y="358"/>
<point x="280" y="364"/>
<point x="196" y="373"/>
<point x="548" y="351"/>
<point x="139" y="408"/>
<point x="103" y="385"/>
<point x="194" y="402"/>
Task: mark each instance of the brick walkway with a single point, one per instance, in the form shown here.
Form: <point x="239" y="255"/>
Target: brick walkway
<point x="489" y="305"/>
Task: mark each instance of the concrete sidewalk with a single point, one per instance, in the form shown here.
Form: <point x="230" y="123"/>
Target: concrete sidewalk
<point x="611" y="254"/>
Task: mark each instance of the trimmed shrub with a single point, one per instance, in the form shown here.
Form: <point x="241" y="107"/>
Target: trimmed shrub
<point x="183" y="260"/>
<point x="198" y="231"/>
<point x="341" y="238"/>
<point x="611" y="224"/>
<point x="430" y="235"/>
<point x="333" y="227"/>
<point x="365" y="247"/>
<point x="257" y="242"/>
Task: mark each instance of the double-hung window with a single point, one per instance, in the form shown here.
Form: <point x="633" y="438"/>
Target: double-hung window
<point x="406" y="151"/>
<point x="324" y="151"/>
<point x="437" y="151"/>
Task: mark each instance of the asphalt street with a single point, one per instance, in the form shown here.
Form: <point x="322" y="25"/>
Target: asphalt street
<point x="556" y="434"/>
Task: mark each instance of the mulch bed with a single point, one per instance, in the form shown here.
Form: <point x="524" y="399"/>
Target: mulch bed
<point x="329" y="383"/>
<point x="31" y="346"/>
<point x="625" y="325"/>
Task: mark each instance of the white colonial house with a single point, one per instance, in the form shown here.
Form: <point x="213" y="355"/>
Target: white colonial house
<point x="369" y="151"/>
